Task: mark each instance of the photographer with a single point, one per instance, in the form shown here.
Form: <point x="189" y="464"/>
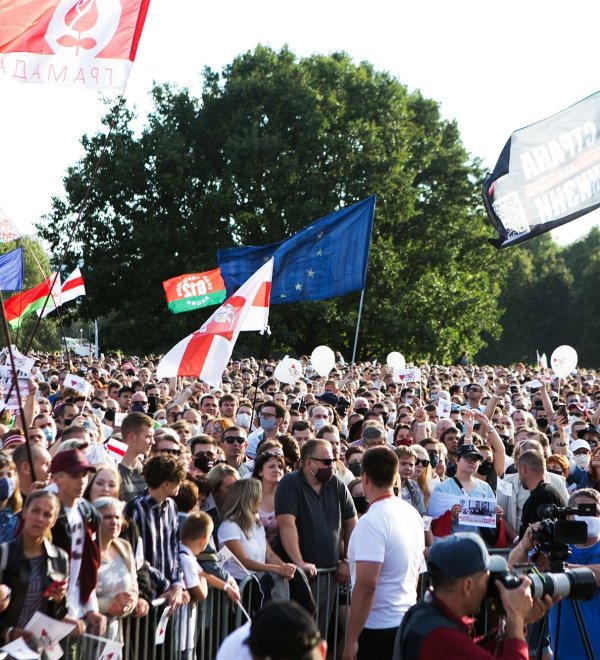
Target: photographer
<point x="588" y="555"/>
<point x="440" y="625"/>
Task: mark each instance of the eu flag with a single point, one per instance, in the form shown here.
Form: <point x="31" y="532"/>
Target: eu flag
<point x="326" y="259"/>
<point x="11" y="270"/>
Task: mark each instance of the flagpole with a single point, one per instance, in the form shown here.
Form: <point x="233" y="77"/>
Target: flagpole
<point x="362" y="293"/>
<point x="15" y="384"/>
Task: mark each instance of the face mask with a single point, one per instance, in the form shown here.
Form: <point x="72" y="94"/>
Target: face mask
<point x="509" y="449"/>
<point x="196" y="429"/>
<point x="361" y="411"/>
<point x="582" y="460"/>
<point x="356" y="469"/>
<point x="377" y="384"/>
<point x="67" y="422"/>
<point x="138" y="406"/>
<point x="268" y="424"/>
<point x="434" y="459"/>
<point x="161" y="422"/>
<point x="542" y="423"/>
<point x="323" y="475"/>
<point x="361" y="504"/>
<point x="318" y="423"/>
<point x="408" y="400"/>
<point x="460" y="426"/>
<point x="203" y="464"/>
<point x="8" y="486"/>
<point x="243" y="420"/>
<point x="485" y="467"/>
<point x="593" y="525"/>
<point x="391" y="417"/>
<point x="384" y="417"/>
<point x="50" y="434"/>
<point x="99" y="413"/>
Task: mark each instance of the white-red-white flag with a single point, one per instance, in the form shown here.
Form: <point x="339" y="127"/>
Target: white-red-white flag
<point x="71" y="288"/>
<point x="8" y="232"/>
<point x="205" y="353"/>
<point x="86" y="43"/>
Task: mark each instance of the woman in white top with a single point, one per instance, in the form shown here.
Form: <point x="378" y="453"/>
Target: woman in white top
<point x="269" y="468"/>
<point x="244" y="536"/>
<point x="117" y="587"/>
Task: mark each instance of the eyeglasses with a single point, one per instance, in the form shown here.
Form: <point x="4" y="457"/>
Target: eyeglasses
<point x="272" y="453"/>
<point x="422" y="461"/>
<point x="231" y="439"/>
<point x="325" y="461"/>
<point x="205" y="454"/>
<point x="174" y="452"/>
<point x="266" y="415"/>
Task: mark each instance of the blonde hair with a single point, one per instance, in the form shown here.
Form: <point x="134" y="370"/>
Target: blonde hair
<point x="426" y="473"/>
<point x="243" y="496"/>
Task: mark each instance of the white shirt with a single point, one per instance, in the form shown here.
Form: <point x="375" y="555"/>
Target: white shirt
<point x="390" y="533"/>
<point x="233" y="647"/>
<point x="254" y="547"/>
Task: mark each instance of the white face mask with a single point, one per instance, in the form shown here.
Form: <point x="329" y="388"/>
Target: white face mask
<point x="318" y="423"/>
<point x="243" y="420"/>
<point x="593" y="525"/>
<point x="583" y="460"/>
<point x="196" y="429"/>
<point x="391" y="418"/>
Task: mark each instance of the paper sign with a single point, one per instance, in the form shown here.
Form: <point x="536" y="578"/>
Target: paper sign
<point x="6" y="383"/>
<point x="20" y="651"/>
<point x="444" y="407"/>
<point x="423" y="565"/>
<point x="49" y="632"/>
<point x="412" y="375"/>
<point x="224" y="555"/>
<point x="427" y="523"/>
<point x="119" y="417"/>
<point x="96" y="454"/>
<point x="505" y="487"/>
<point x="111" y="650"/>
<point x="477" y="511"/>
<point x="533" y="384"/>
<point x="78" y="383"/>
<point x="161" y="629"/>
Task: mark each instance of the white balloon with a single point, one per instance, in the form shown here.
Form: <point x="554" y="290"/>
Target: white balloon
<point x="563" y="360"/>
<point x="323" y="360"/>
<point x="288" y="370"/>
<point x="396" y="360"/>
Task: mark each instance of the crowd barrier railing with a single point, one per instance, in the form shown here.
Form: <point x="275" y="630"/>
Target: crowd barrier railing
<point x="196" y="631"/>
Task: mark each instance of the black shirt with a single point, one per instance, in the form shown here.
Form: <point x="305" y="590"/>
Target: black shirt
<point x="543" y="493"/>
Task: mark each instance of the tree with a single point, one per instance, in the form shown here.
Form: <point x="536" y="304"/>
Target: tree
<point x="274" y="143"/>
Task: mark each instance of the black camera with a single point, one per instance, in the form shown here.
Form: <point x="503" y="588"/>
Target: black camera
<point x="556" y="531"/>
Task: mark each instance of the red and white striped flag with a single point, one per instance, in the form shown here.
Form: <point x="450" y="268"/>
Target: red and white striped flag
<point x="87" y="43"/>
<point x="116" y="449"/>
<point x="71" y="288"/>
<point x="205" y="353"/>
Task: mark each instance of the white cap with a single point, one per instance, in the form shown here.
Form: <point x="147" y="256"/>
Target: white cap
<point x="579" y="444"/>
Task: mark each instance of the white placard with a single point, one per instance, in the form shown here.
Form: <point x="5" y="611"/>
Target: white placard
<point x="412" y="375"/>
<point x="78" y="383"/>
<point x="477" y="511"/>
<point x="20" y="651"/>
<point x="49" y="632"/>
<point x="161" y="628"/>
<point x="427" y="523"/>
<point x="444" y="408"/>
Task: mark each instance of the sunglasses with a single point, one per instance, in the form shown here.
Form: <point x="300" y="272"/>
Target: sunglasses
<point x="231" y="439"/>
<point x="422" y="461"/>
<point x="205" y="454"/>
<point x="325" y="461"/>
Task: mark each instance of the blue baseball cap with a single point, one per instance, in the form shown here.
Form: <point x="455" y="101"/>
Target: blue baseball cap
<point x="462" y="554"/>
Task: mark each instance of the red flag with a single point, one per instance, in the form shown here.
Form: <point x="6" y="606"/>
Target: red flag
<point x="87" y="43"/>
<point x="205" y="353"/>
<point x="21" y="304"/>
<point x="186" y="293"/>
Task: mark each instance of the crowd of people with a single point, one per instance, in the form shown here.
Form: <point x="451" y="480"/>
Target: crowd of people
<point x="331" y="492"/>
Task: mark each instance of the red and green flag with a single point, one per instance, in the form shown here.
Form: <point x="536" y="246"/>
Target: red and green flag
<point x="26" y="302"/>
<point x="194" y="290"/>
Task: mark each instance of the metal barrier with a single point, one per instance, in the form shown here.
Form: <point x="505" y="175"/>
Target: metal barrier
<point x="196" y="631"/>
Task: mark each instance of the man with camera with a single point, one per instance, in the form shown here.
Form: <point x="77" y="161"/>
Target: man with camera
<point x="440" y="625"/>
<point x="570" y="642"/>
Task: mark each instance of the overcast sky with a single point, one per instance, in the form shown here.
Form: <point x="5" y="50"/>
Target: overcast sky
<point x="492" y="67"/>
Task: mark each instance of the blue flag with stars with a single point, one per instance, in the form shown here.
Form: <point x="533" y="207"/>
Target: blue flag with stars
<point x="324" y="260"/>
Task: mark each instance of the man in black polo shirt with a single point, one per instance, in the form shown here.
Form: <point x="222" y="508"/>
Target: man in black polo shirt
<point x="316" y="515"/>
<point x="532" y="472"/>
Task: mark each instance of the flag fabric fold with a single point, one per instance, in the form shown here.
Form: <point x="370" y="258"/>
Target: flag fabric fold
<point x="86" y="43"/>
<point x="186" y="293"/>
<point x="547" y="174"/>
<point x="8" y="232"/>
<point x="326" y="259"/>
<point x="11" y="270"/>
<point x="71" y="288"/>
<point x="205" y="353"/>
<point x="26" y="302"/>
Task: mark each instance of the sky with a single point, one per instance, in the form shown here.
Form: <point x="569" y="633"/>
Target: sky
<point x="494" y="68"/>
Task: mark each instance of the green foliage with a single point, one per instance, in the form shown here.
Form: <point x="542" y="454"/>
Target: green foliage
<point x="273" y="143"/>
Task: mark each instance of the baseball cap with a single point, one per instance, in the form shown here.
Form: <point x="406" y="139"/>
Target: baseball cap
<point x="579" y="444"/>
<point x="468" y="450"/>
<point x="328" y="397"/>
<point x="282" y="629"/>
<point x="577" y="406"/>
<point x="462" y="554"/>
<point x="589" y="430"/>
<point x="71" y="461"/>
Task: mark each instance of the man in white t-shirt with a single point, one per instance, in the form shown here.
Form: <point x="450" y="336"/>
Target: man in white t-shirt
<point x="385" y="554"/>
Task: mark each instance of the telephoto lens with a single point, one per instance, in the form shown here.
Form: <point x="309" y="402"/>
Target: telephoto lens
<point x="574" y="583"/>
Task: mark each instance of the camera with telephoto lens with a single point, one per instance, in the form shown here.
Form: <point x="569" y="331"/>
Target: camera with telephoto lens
<point x="552" y="538"/>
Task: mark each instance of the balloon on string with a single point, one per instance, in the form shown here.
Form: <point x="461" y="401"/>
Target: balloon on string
<point x="563" y="360"/>
<point x="288" y="370"/>
<point x="323" y="360"/>
<point x="396" y="360"/>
